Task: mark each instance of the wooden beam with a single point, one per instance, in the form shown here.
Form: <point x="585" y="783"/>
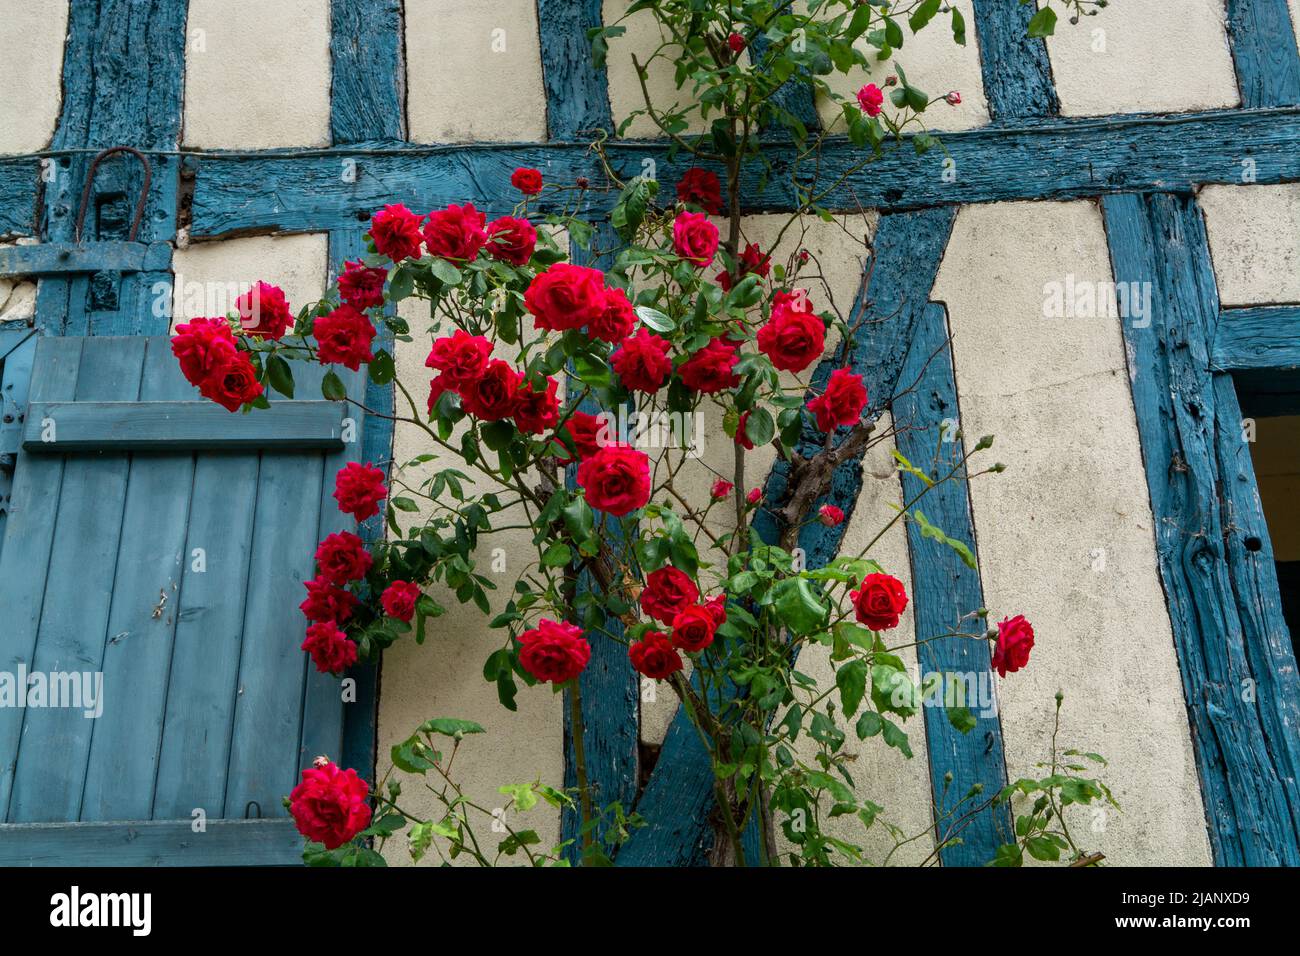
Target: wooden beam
<point x="1234" y="650"/>
<point x="60" y="258"/>
<point x="62" y="427"/>
<point x="1017" y="73"/>
<point x="1057" y="158"/>
<point x="152" y="843"/>
<point x="1264" y="52"/>
<point x="1257" y="338"/>
<point x="19" y="187"/>
<point x="368" y="75"/>
<point x="577" y="94"/>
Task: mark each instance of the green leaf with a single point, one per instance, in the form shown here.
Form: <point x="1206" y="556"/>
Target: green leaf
<point x="654" y="319"/>
<point x="451" y="727"/>
<point x="381" y="368"/>
<point x="851" y="679"/>
<point x="759" y="426"/>
<point x="1043" y="23"/>
<point x="923" y="14"/>
<point x="1042" y="848"/>
<point x="799" y="606"/>
<point x="896" y="737"/>
<point x="279" y="375"/>
<point x="558" y="555"/>
<point x="934" y="534"/>
<point x="445" y="272"/>
<point x="869" y="724"/>
<point x="962" y="719"/>
<point x="958" y="27"/>
<point x="331" y="386"/>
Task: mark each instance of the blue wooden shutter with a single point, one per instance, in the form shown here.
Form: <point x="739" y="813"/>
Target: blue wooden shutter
<point x="156" y="538"/>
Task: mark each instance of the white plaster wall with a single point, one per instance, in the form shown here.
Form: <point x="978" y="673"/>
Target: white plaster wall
<point x="257" y="74"/>
<point x="1056" y="396"/>
<point x="444" y="676"/>
<point x="209" y="276"/>
<point x="474" y="71"/>
<point x="1158" y="56"/>
<point x="642" y="39"/>
<point x="1254" y="236"/>
<point x="31" y="72"/>
<point x="934" y="63"/>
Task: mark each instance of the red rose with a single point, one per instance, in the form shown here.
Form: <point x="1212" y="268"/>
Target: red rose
<point x="736" y="42"/>
<point x="566" y="296"/>
<point x="537" y="412"/>
<point x="399" y="599"/>
<point x="642" y="361"/>
<point x="554" y="651"/>
<point x="654" y="656"/>
<point x="752" y="261"/>
<point x="264" y="311"/>
<point x="717" y="606"/>
<point x="721" y="488"/>
<point x="361" y="286"/>
<point x="667" y="593"/>
<point x="202" y="346"/>
<point x="460" y="357"/>
<point x="879" y="601"/>
<point x="693" y="628"/>
<point x="528" y="181"/>
<point x="233" y="384"/>
<point x="327" y="602"/>
<point x="701" y="188"/>
<point x="794" y="337"/>
<point x="695" y="239"/>
<point x="358" y="489"/>
<point x="437" y="385"/>
<point x="709" y="369"/>
<point x="492" y="396"/>
<point x="330" y="805"/>
<point x="584" y="431"/>
<point x="344" y="337"/>
<point x="342" y="557"/>
<point x="842" y="402"/>
<point x="511" y="240"/>
<point x="742" y="436"/>
<point x="870" y="99"/>
<point x="395" y="231"/>
<point x="616" y="320"/>
<point x="330" y="649"/>
<point x="755" y="496"/>
<point x="455" y="233"/>
<point x="830" y="515"/>
<point x="1015" y="641"/>
<point x="616" y="479"/>
<point x="953" y="98"/>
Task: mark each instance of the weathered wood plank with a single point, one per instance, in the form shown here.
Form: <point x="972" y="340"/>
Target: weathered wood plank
<point x="1035" y="160"/>
<point x="16" y="356"/>
<point x="676" y="803"/>
<point x="55" y="744"/>
<point x="1017" y="72"/>
<point x="1238" y="668"/>
<point x="183" y="425"/>
<point x="111" y="256"/>
<point x="125" y="740"/>
<point x="577" y="94"/>
<point x="1264" y="52"/>
<point x="152" y="843"/>
<point x="1257" y="338"/>
<point x="945" y="590"/>
<point x="19" y="178"/>
<point x="368" y="70"/>
<point x="33" y="506"/>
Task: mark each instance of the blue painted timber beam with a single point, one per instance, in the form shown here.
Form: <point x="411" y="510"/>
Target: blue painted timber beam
<point x="945" y="592"/>
<point x="1264" y="52"/>
<point x="1017" y="73"/>
<point x="907" y="248"/>
<point x="1234" y="650"/>
<point x="152" y="843"/>
<point x="1056" y="158"/>
<point x="1257" y="338"/>
<point x="368" y="73"/>
<point x="577" y="94"/>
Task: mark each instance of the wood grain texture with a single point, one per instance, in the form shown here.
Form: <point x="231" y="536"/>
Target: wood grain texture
<point x="1017" y="72"/>
<point x="907" y="248"/>
<point x="577" y="94"/>
<point x="1257" y="338"/>
<point x="369" y="76"/>
<point x="152" y="843"/>
<point x="1054" y="158"/>
<point x="1234" y="650"/>
<point x="111" y="256"/>
<point x="945" y="590"/>
<point x="19" y="182"/>
<point x="184" y="425"/>
<point x="1264" y="52"/>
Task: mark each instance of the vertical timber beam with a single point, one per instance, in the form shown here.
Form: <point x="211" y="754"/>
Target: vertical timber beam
<point x="1017" y="72"/>
<point x="1234" y="649"/>
<point x="678" y="801"/>
<point x="1264" y="53"/>
<point x="577" y="93"/>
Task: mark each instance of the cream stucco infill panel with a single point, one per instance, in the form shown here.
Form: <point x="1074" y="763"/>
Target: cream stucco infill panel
<point x="257" y="74"/>
<point x="32" y="36"/>
<point x="642" y="39"/>
<point x="209" y="276"/>
<point x="474" y="71"/>
<point x="1159" y="56"/>
<point x="1255" y="242"/>
<point x="1065" y="535"/>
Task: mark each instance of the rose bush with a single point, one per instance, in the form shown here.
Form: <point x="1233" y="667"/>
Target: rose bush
<point x="522" y="332"/>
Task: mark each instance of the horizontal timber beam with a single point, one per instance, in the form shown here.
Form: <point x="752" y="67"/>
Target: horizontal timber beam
<point x="152" y="843"/>
<point x="1257" y="338"/>
<point x="1051" y="158"/>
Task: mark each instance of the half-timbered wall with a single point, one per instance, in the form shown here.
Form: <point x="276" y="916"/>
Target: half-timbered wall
<point x="1087" y="531"/>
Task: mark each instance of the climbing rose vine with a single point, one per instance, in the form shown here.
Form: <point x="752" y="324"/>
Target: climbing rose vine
<point x="541" y="331"/>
